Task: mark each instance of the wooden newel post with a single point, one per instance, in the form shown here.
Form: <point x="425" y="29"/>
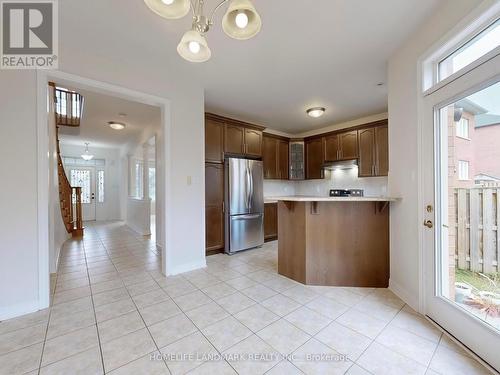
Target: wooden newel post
<point x="78" y="231"/>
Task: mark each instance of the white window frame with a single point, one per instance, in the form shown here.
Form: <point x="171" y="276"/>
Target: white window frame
<point x="463" y="124"/>
<point x="466" y="30"/>
<point x="463" y="170"/>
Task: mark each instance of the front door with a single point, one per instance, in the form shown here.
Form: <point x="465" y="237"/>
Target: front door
<point x="461" y="209"/>
<point x="85" y="178"/>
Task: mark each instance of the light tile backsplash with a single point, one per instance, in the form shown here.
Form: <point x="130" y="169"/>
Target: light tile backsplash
<point x="278" y="188"/>
<point x="339" y="179"/>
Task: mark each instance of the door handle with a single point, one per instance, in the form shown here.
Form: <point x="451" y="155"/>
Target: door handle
<point x="246" y="217"/>
<point x="428" y="224"/>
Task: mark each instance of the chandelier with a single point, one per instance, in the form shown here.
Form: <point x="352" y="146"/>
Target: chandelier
<point x="87" y="155"/>
<point x="241" y="22"/>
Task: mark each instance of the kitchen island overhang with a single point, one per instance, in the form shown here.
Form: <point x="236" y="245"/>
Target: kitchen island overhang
<point x="334" y="241"/>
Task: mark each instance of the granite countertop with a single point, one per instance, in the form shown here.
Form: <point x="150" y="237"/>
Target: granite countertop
<point x="303" y="198"/>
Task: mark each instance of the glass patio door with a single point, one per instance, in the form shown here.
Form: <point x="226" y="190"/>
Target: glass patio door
<point x="85" y="178"/>
<point x="461" y="209"/>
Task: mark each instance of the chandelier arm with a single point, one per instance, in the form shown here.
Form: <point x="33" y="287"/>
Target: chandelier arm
<point x="193" y="7"/>
<point x="216" y="9"/>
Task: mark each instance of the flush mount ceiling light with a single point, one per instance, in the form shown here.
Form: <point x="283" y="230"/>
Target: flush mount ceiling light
<point x="241" y="22"/>
<point x="116" y="125"/>
<point x="316" y="112"/>
<point x="87" y="156"/>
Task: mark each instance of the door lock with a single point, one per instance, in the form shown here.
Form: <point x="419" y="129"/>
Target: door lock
<point x="428" y="223"/>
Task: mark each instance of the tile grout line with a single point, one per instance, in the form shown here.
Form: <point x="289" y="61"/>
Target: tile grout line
<point x="93" y="308"/>
<point x="51" y="300"/>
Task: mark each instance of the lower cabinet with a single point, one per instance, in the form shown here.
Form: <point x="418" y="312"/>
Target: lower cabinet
<point x="270" y="221"/>
<point x="214" y="208"/>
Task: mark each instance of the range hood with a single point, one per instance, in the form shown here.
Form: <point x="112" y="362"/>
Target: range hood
<point x="340" y="165"/>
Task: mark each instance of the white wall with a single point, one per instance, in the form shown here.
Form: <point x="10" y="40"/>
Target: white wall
<point x="18" y="195"/>
<point x="122" y="63"/>
<point x="403" y="146"/>
<point x="110" y="209"/>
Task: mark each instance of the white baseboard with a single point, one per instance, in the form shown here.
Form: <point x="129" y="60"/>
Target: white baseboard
<point x="410" y="299"/>
<point x="18" y="310"/>
<point x="187" y="267"/>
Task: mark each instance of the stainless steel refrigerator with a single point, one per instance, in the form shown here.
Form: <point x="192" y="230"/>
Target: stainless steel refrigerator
<point x="245" y="204"/>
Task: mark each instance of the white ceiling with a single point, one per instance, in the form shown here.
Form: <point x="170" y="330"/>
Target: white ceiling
<point x="98" y="110"/>
<point x="323" y="52"/>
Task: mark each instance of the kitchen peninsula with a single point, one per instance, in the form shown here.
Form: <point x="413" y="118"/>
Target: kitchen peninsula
<point x="334" y="241"/>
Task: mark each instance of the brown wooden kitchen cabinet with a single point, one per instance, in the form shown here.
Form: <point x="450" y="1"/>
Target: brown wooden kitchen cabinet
<point x="332" y="147"/>
<point x="373" y="151"/>
<point x="275" y="157"/>
<point x="234" y="139"/>
<point x="253" y="142"/>
<point x="270" y="157"/>
<point x="382" y="150"/>
<point x="348" y="145"/>
<point x="283" y="159"/>
<point x="341" y="146"/>
<point x="214" y="140"/>
<point x="214" y="207"/>
<point x="270" y="221"/>
<point x="314" y="158"/>
<point x="239" y="140"/>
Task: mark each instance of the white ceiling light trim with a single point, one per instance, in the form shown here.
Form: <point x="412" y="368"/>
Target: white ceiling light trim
<point x="241" y="22"/>
<point x="316" y="112"/>
<point x="117" y="125"/>
<point x="87" y="155"/>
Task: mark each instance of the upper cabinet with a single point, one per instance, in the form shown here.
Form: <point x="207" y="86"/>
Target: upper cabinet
<point x="275" y="157"/>
<point x="270" y="157"/>
<point x="332" y="149"/>
<point x="341" y="146"/>
<point x="283" y="159"/>
<point x="314" y="158"/>
<point x="382" y="150"/>
<point x="234" y="139"/>
<point x="348" y="145"/>
<point x="214" y="141"/>
<point x="253" y="142"/>
<point x="373" y="151"/>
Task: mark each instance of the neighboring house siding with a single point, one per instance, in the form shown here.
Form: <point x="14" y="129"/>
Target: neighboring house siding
<point x="487" y="150"/>
<point x="481" y="150"/>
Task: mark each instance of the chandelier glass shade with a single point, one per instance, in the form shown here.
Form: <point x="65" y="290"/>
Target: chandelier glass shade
<point x="169" y="9"/>
<point x="193" y="47"/>
<point x="241" y="21"/>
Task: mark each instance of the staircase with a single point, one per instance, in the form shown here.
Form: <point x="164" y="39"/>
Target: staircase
<point x="69" y="196"/>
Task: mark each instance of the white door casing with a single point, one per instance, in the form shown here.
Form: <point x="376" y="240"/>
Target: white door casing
<point x="481" y="338"/>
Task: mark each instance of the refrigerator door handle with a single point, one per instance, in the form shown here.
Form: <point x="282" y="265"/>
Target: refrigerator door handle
<point x="246" y="217"/>
<point x="250" y="173"/>
<point x="248" y="187"/>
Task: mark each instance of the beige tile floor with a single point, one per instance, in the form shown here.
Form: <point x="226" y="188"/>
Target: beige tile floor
<point x="114" y="312"/>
